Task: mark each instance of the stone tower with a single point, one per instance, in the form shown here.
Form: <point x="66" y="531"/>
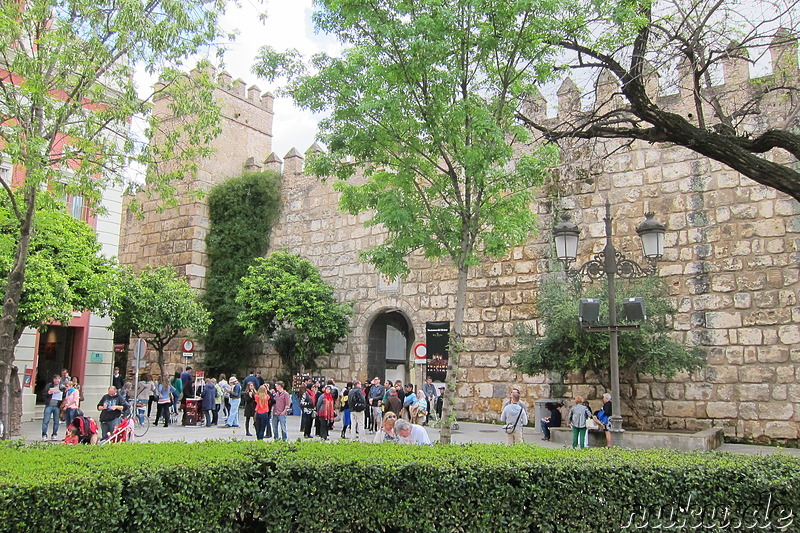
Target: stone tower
<point x="176" y="236"/>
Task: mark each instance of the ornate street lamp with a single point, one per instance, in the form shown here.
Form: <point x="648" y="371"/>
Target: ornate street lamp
<point x="610" y="263"/>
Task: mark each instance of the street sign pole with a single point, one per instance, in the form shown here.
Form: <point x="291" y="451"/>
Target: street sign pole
<point x="139" y="347"/>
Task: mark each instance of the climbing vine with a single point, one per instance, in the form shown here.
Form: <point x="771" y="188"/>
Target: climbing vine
<point x="242" y="211"/>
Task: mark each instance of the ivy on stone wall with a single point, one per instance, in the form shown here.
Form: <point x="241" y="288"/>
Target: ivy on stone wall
<point x="242" y="211"/>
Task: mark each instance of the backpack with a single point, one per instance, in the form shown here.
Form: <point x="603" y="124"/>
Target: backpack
<point x="306" y="402"/>
<point x="357" y="402"/>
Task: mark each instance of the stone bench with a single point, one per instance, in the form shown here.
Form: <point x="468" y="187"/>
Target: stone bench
<point x="707" y="439"/>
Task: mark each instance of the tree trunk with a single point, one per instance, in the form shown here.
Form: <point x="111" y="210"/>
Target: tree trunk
<point x="454" y="349"/>
<point x="160" y="357"/>
<point x="13" y="293"/>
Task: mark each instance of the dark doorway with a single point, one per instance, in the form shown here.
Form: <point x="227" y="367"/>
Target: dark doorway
<point x="389" y="343"/>
<point x="56" y="345"/>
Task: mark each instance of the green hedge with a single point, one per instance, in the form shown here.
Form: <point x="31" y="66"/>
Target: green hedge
<point x="255" y="486"/>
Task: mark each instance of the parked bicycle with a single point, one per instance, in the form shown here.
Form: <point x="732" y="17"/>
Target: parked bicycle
<point x="142" y="423"/>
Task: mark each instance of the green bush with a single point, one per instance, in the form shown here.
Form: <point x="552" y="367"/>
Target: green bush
<point x="254" y="486"/>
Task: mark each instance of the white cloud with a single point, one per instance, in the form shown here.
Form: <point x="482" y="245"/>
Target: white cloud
<point x="288" y="25"/>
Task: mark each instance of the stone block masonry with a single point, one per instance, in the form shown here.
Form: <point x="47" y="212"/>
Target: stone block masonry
<point x="176" y="235"/>
<point x="731" y="263"/>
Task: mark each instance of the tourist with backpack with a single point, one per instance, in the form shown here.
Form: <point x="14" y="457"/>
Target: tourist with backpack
<point x="358" y="405"/>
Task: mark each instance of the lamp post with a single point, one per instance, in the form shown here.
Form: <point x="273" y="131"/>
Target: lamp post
<point x="610" y="263"/>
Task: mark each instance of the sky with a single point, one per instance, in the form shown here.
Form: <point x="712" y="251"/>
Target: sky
<point x="287" y="25"/>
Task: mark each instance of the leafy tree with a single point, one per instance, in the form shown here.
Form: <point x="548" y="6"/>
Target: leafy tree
<point x="66" y="271"/>
<point x="284" y="298"/>
<point x="157" y="304"/>
<point x="566" y="347"/>
<point x="67" y="96"/>
<point x="423" y="104"/>
<point x="242" y="211"/>
<point x="636" y="41"/>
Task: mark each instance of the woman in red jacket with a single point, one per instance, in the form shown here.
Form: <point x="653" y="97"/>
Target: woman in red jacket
<point x="262" y="411"/>
<point x="326" y="412"/>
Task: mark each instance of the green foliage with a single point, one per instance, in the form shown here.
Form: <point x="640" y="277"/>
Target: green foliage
<point x="66" y="271"/>
<point x="78" y="81"/>
<point x="423" y="106"/>
<point x="566" y="347"/>
<point x="424" y="103"/>
<point x="242" y="211"/>
<point x="488" y="488"/>
<point x="67" y="98"/>
<point x="285" y="292"/>
<point x="157" y="304"/>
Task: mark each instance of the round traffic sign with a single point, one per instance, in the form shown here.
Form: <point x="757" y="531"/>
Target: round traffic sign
<point x="420" y="351"/>
<point x="139" y="348"/>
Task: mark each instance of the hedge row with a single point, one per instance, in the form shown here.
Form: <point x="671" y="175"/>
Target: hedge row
<point x="255" y="486"/>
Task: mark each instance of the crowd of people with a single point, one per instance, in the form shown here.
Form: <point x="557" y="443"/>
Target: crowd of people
<point x="368" y="411"/>
<point x="376" y="411"/>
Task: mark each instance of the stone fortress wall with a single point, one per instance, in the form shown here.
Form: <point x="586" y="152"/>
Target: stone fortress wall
<point x="731" y="263"/>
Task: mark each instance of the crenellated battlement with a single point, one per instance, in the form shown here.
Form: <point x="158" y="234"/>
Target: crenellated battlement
<point x="676" y="96"/>
<point x="239" y="89"/>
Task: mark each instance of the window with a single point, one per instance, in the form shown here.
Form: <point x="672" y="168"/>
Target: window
<point x="5" y="168"/>
<point x="77" y="209"/>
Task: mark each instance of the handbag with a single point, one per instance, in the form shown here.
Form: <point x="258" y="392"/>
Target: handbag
<point x="511" y="428"/>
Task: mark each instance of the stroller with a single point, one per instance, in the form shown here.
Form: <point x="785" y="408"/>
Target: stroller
<point x="122" y="433"/>
<point x="82" y="430"/>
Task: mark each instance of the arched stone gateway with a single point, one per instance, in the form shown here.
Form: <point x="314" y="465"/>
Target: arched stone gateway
<point x="389" y="343"/>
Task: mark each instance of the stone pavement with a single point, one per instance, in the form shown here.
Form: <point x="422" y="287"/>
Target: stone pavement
<point x="468" y="432"/>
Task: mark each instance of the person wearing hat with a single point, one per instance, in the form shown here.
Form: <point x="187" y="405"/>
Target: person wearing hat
<point x="236" y="399"/>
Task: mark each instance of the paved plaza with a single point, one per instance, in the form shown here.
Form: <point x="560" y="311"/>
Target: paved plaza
<point x="468" y="432"/>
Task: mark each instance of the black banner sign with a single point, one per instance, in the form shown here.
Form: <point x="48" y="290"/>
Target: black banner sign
<point x="437" y="337"/>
